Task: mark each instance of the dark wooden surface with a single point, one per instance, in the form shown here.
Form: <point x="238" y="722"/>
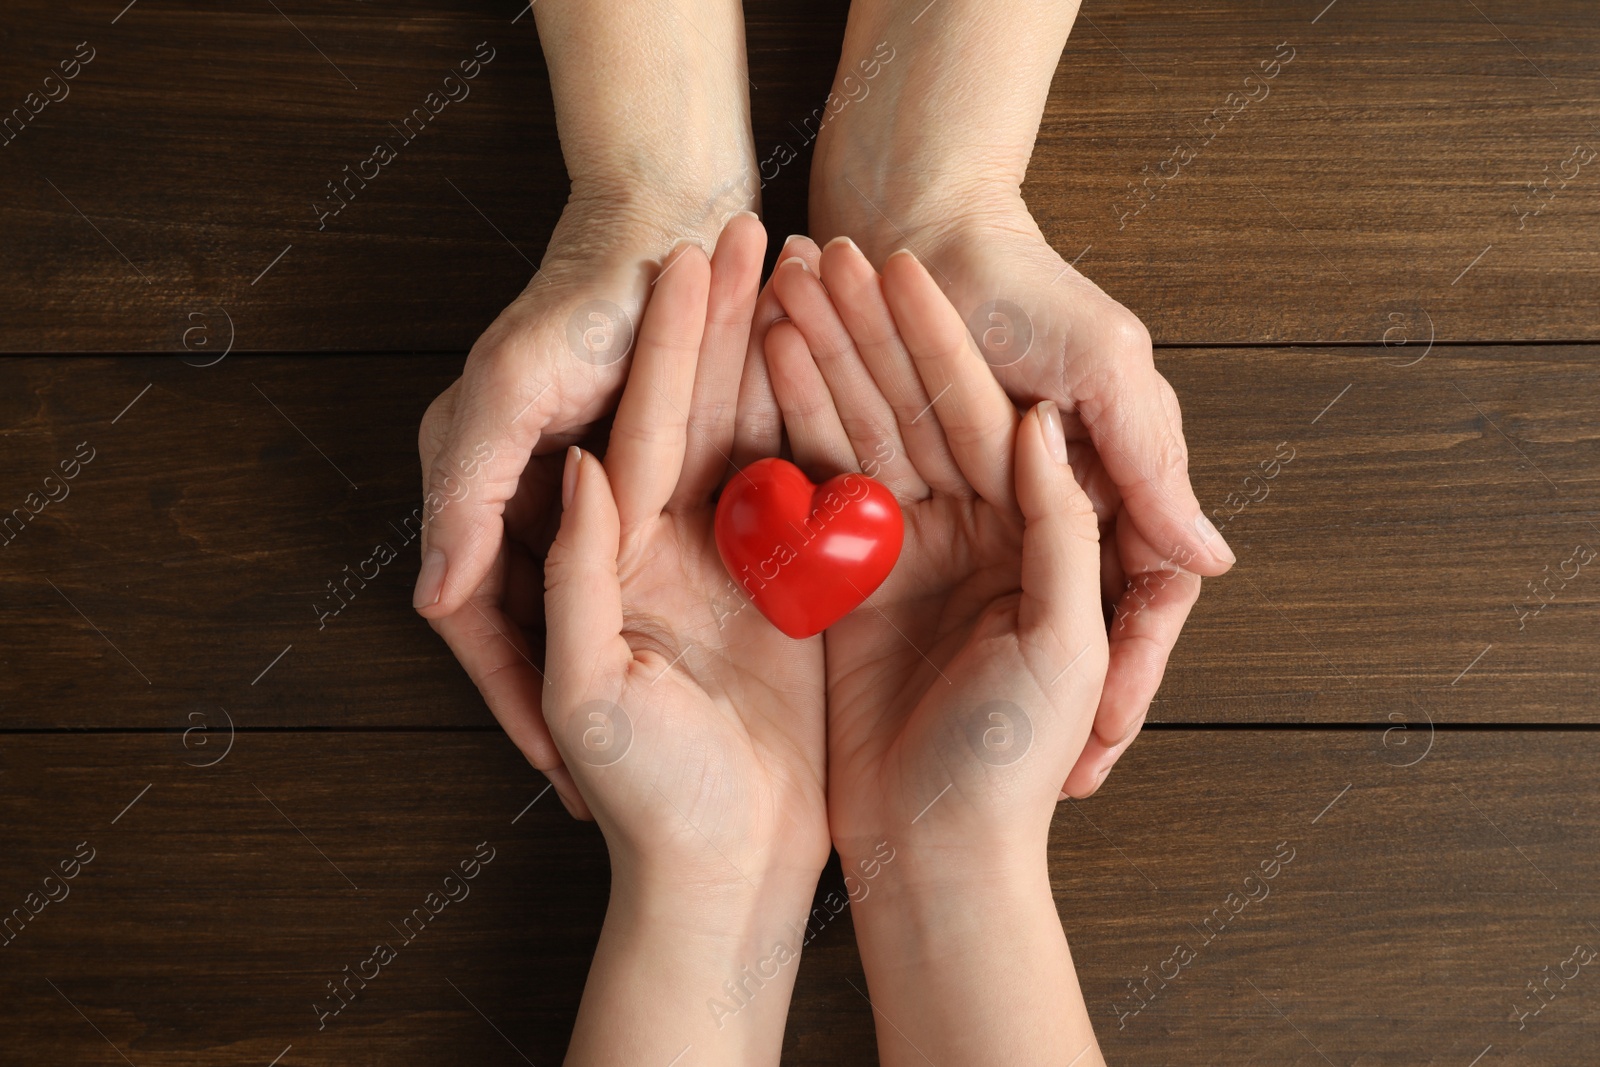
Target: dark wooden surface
<point x="1392" y="551"/>
<point x="1393" y="150"/>
<point x="1414" y="908"/>
<point x="1370" y="685"/>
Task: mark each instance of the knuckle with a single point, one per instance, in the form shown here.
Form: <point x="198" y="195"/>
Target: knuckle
<point x="435" y="425"/>
<point x="1126" y="336"/>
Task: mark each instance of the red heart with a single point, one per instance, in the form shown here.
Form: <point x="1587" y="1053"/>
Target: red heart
<point x="807" y="555"/>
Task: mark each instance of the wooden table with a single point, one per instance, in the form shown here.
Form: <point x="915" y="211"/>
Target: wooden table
<point x="1385" y="265"/>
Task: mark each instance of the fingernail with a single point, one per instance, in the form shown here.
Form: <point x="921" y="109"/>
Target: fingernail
<point x="795" y="259"/>
<point x="903" y="252"/>
<point x="1062" y="797"/>
<point x="841" y="240"/>
<point x="681" y="244"/>
<point x="790" y="238"/>
<point x="1100" y="779"/>
<point x="1213" y="539"/>
<point x="1050" y="426"/>
<point x="430" y="580"/>
<point x="569" y="476"/>
<point x="747" y="215"/>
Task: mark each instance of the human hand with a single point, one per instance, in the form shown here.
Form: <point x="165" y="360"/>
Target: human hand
<point x="693" y="728"/>
<point x="654" y="119"/>
<point x="961" y="693"/>
<point x="497" y="632"/>
<point x="992" y="607"/>
<point x="934" y="161"/>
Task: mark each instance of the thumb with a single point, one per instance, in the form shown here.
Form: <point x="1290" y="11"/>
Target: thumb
<point x="1133" y="417"/>
<point x="1060" y="609"/>
<point x="471" y="475"/>
<point x="547" y="367"/>
<point x="583" y="597"/>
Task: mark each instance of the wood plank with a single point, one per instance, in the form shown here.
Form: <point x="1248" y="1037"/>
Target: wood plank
<point x="197" y="545"/>
<point x="1364" y="180"/>
<point x="1397" y="564"/>
<point x="1385" y="568"/>
<point x="1416" y="903"/>
<point x="1383" y="172"/>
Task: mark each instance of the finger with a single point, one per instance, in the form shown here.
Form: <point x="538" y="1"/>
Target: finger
<point x="567" y="791"/>
<point x="583" y="595"/>
<point x="758" y="426"/>
<point x="1059" y="615"/>
<point x="435" y="428"/>
<point x="816" y="436"/>
<point x="1150" y="613"/>
<point x="587" y="654"/>
<point x="867" y="418"/>
<point x="978" y="419"/>
<point x="730" y="305"/>
<point x="1094" y="764"/>
<point x="1133" y="416"/>
<point x="857" y="293"/>
<point x="476" y="439"/>
<point x="645" y="455"/>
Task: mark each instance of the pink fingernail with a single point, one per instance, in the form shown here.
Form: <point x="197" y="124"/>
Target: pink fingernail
<point x="796" y="259"/>
<point x="430" y="580"/>
<point x="569" y="476"/>
<point x="1050" y="425"/>
<point x="1213" y="539"/>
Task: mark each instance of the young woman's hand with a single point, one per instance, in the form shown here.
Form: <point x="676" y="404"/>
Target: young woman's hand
<point x="692" y="727"/>
<point x="964" y="690"/>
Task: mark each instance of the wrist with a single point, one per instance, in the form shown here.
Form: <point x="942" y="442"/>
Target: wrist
<point x="974" y="961"/>
<point x="709" y="908"/>
<point x="652" y="121"/>
<point x="926" y="139"/>
<point x="922" y="889"/>
<point x="710" y="966"/>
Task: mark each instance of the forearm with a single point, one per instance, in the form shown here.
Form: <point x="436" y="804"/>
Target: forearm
<point x="651" y="101"/>
<point x="953" y="115"/>
<point x="710" y="970"/>
<point x="971" y="966"/>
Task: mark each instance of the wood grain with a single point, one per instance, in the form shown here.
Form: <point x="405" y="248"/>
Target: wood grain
<point x="267" y="789"/>
<point x="1412" y="909"/>
<point x="1390" y="156"/>
<point x="1385" y="567"/>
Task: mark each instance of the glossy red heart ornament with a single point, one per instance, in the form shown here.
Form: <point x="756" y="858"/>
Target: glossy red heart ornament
<point x="806" y="555"/>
